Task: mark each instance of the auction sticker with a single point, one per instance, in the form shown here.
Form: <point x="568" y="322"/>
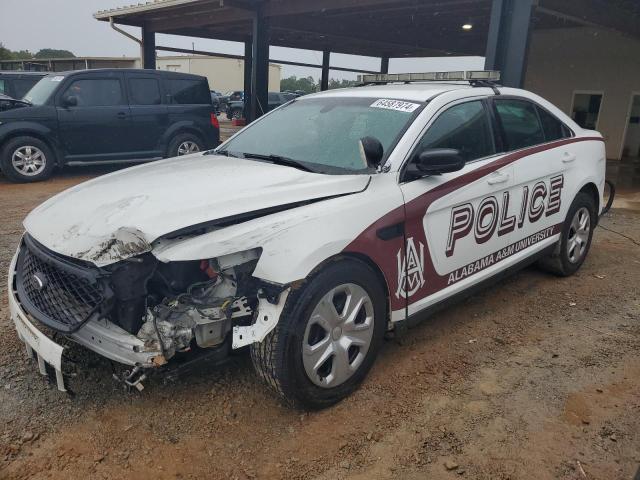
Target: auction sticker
<point x="398" y="105"/>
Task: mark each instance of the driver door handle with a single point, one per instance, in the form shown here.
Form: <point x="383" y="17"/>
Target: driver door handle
<point x="498" y="178"/>
<point x="568" y="157"/>
<point x="121" y="115"/>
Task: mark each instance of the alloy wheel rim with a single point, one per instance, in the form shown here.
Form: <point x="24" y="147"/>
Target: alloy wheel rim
<point x="338" y="335"/>
<point x="188" y="147"/>
<point x="28" y="160"/>
<point x="578" y="235"/>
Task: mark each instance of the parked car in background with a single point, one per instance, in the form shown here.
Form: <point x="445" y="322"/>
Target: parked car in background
<point x="215" y="101"/>
<point x="9" y="103"/>
<point x="235" y="109"/>
<point x="106" y="115"/>
<point x="16" y="84"/>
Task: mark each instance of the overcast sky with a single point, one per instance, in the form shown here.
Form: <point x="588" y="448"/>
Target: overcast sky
<point x="69" y="24"/>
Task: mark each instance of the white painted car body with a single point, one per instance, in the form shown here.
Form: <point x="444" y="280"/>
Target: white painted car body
<point x="335" y="215"/>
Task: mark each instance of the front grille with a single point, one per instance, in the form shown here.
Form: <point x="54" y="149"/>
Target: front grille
<point x="57" y="291"/>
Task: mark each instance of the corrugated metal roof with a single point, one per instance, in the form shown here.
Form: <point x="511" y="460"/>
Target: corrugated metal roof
<point x="140" y="7"/>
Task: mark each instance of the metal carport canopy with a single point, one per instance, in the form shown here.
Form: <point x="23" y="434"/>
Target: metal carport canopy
<point x="378" y="28"/>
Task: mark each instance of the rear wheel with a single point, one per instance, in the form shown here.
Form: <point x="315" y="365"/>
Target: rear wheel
<point x="327" y="338"/>
<point x="575" y="241"/>
<point x="27" y="159"/>
<point x="184" y="144"/>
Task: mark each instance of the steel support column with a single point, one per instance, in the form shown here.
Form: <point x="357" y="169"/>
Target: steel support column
<point x="508" y="40"/>
<point x="384" y="65"/>
<point x="326" y="62"/>
<point x="148" y="48"/>
<point x="248" y="56"/>
<point x="260" y="65"/>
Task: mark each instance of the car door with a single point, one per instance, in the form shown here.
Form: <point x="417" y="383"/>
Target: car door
<point x="93" y="118"/>
<point x="457" y="223"/>
<point x="149" y="114"/>
<point x="535" y="136"/>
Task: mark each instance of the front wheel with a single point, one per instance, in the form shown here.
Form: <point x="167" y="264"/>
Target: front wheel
<point x="575" y="241"/>
<point x="27" y="159"/>
<point x="327" y="338"/>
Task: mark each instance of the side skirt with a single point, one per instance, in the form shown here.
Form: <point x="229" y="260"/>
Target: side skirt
<point x="428" y="312"/>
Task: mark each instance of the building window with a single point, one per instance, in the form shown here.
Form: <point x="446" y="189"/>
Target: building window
<point x="586" y="109"/>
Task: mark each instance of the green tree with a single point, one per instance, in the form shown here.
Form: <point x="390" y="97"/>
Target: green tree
<point x="53" y="53"/>
<point x="21" y="55"/>
<point x="5" y="53"/>
<point x="333" y="83"/>
<point x="306" y="84"/>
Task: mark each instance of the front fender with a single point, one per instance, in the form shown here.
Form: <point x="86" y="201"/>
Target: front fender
<point x="14" y="129"/>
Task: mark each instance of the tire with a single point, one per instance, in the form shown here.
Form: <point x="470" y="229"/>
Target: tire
<point x="27" y="159"/>
<point x="283" y="359"/>
<point x="573" y="247"/>
<point x="184" y="144"/>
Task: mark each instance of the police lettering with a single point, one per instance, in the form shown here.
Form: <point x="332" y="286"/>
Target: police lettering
<point x="492" y="216"/>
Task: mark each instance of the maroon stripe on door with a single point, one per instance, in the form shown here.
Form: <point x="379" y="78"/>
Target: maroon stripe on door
<point x="385" y="253"/>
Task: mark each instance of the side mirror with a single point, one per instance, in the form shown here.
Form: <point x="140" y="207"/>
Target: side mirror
<point x="435" y="161"/>
<point x="371" y="151"/>
<point x="70" y="101"/>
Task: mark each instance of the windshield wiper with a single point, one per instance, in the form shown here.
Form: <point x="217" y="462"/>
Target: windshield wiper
<point x="226" y="153"/>
<point x="280" y="160"/>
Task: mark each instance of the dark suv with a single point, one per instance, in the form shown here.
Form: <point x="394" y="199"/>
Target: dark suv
<point x="103" y="116"/>
<point x="16" y="84"/>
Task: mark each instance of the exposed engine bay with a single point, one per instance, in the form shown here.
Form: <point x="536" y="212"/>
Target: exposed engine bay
<point x="174" y="307"/>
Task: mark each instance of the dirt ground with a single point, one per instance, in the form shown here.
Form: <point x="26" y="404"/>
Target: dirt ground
<point x="535" y="378"/>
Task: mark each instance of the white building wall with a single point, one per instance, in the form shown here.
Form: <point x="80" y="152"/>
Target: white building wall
<point x="562" y="61"/>
<point x="224" y="74"/>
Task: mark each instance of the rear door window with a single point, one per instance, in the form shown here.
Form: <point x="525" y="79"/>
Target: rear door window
<point x="186" y="91"/>
<point x="520" y="123"/>
<point x="22" y="85"/>
<point x="144" y="91"/>
<point x="96" y="92"/>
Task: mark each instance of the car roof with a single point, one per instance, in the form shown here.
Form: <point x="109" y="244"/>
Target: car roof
<point x="417" y="92"/>
<point x="164" y="73"/>
<point x="15" y="73"/>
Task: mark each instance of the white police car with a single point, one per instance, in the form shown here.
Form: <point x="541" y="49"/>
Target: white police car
<point x="311" y="232"/>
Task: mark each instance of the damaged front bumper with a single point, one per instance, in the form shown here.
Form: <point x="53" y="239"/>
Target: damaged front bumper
<point x="99" y="335"/>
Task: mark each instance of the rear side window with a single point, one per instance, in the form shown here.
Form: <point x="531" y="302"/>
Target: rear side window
<point x="553" y="128"/>
<point x="96" y="92"/>
<point x="22" y="85"/>
<point x="464" y="127"/>
<point x="144" y="91"/>
<point x="520" y="123"/>
<point x="186" y="91"/>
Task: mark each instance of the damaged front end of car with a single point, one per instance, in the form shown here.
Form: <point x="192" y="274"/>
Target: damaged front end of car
<point x="142" y="312"/>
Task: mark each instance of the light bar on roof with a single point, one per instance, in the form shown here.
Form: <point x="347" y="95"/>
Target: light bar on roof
<point x="486" y="75"/>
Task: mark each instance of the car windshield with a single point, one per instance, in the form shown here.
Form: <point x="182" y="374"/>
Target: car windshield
<point x="324" y="133"/>
<point x="41" y="91"/>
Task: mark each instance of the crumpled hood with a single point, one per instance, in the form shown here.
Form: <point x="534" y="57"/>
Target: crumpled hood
<point x="119" y="215"/>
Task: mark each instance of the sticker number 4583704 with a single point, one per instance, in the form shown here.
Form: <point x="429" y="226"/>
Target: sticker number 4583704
<point x="398" y="105"/>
